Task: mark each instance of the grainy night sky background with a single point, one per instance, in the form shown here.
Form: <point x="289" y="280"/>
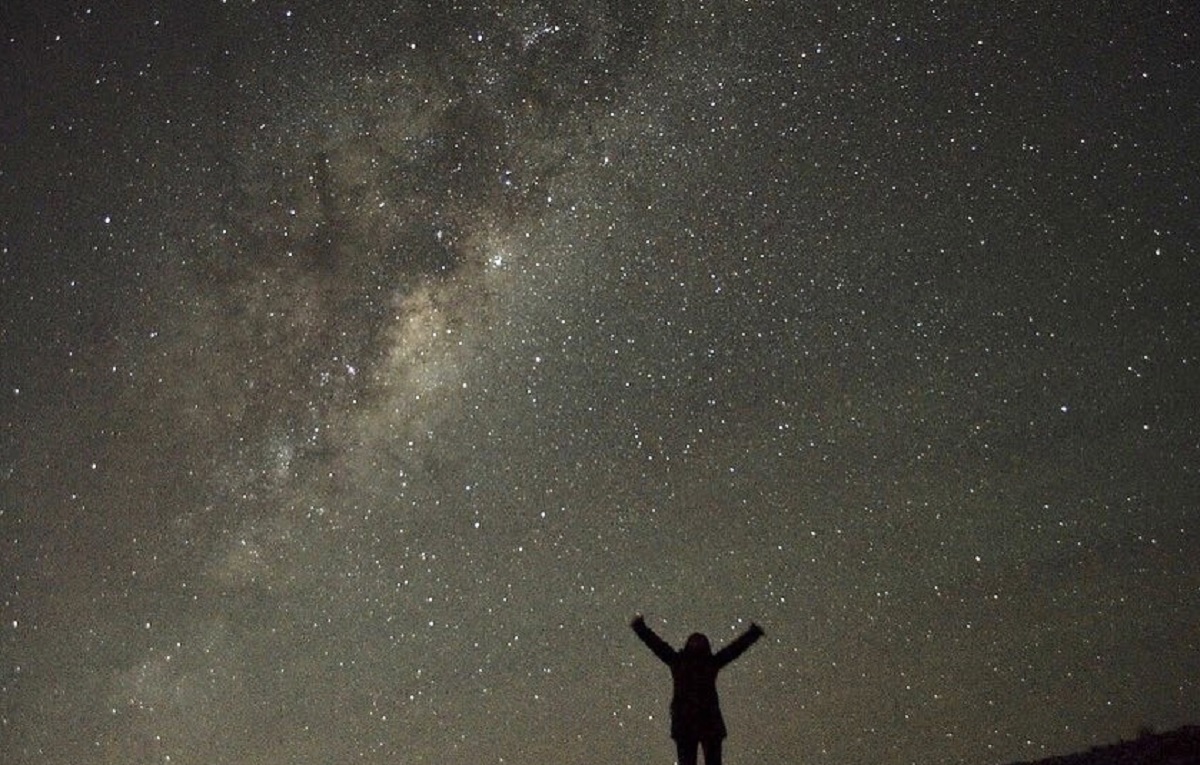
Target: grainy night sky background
<point x="366" y="368"/>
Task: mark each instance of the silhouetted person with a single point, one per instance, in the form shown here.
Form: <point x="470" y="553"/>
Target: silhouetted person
<point x="695" y="711"/>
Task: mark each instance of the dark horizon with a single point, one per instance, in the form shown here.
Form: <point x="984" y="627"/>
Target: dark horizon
<point x="1174" y="747"/>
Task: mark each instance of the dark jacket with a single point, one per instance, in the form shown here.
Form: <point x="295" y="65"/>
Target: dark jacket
<point x="695" y="709"/>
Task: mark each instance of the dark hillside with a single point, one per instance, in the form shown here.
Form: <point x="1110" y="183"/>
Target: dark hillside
<point x="1177" y="747"/>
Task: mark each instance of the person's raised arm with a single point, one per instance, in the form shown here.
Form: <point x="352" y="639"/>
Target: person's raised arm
<point x="652" y="641"/>
<point x="739" y="646"/>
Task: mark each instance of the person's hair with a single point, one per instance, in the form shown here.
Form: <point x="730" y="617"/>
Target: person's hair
<point x="697" y="643"/>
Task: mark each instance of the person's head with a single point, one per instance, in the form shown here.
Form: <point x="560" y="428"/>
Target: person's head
<point x="697" y="644"/>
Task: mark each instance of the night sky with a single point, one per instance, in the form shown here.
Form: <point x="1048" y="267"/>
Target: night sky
<point x="366" y="369"/>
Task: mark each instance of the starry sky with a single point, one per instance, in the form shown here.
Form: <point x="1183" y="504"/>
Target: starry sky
<point x="366" y="367"/>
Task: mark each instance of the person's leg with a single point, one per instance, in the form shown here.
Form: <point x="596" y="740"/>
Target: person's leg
<point x="685" y="751"/>
<point x="712" y="751"/>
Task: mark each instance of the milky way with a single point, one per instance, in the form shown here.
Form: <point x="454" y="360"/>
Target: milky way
<point x="366" y="370"/>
